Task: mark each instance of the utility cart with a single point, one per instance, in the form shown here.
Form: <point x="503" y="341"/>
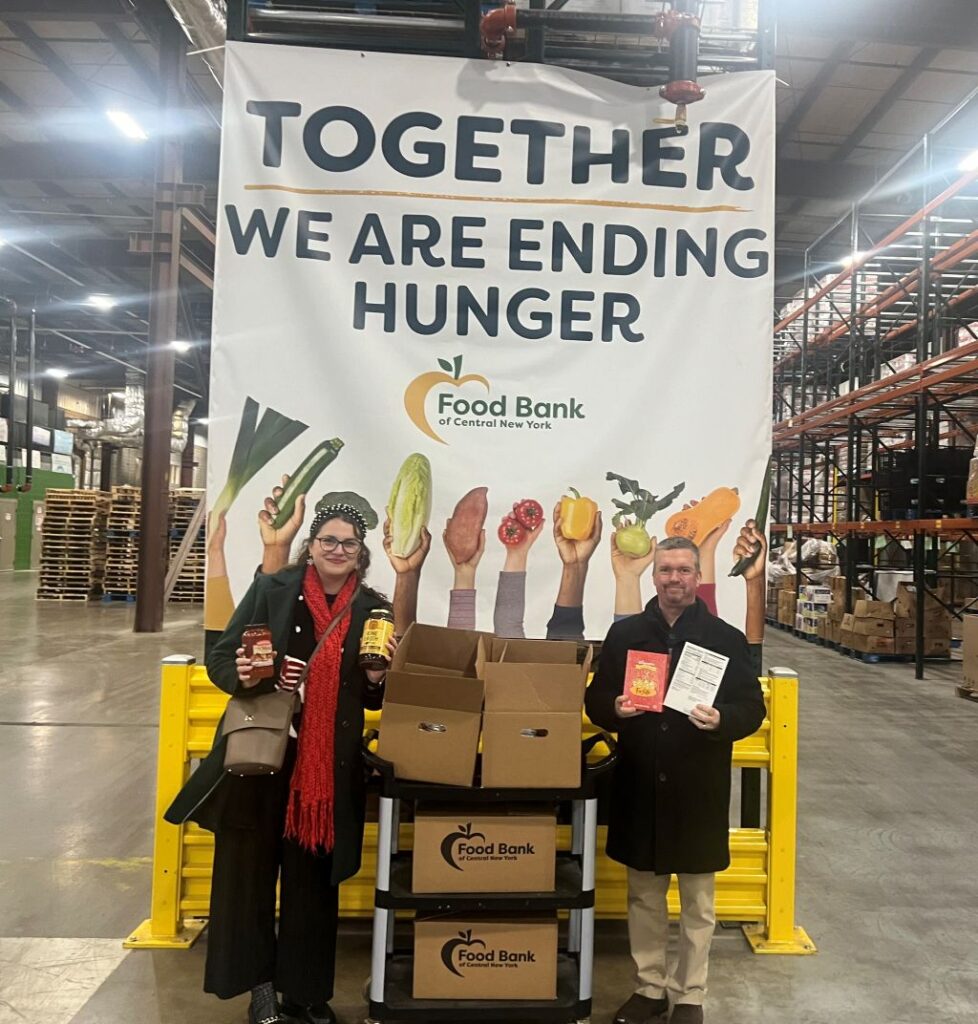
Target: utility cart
<point x="391" y="977"/>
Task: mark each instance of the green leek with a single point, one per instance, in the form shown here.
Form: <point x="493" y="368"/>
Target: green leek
<point x="256" y="445"/>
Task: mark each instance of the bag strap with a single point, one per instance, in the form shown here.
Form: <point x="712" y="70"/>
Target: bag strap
<point x="334" y="622"/>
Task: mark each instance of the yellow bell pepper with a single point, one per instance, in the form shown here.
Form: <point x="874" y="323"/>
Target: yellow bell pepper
<point x="577" y="516"/>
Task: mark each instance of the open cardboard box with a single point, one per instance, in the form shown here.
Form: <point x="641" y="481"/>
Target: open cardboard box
<point x="531" y="730"/>
<point x="429" y="728"/>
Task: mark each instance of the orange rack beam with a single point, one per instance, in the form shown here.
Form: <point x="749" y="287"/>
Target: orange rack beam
<point x="954" y="529"/>
<point x="951" y="375"/>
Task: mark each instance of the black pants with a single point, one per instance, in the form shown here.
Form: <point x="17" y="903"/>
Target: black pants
<point x="250" y="854"/>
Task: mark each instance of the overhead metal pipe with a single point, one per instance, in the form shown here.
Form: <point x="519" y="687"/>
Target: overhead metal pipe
<point x="371" y="22"/>
<point x="204" y="22"/>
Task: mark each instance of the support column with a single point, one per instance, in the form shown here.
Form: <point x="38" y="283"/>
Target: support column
<point x="164" y="277"/>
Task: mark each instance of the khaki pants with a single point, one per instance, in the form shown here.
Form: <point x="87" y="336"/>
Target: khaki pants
<point x="648" y="934"/>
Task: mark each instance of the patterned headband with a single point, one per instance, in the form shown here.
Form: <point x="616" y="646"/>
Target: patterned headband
<point x="331" y="511"/>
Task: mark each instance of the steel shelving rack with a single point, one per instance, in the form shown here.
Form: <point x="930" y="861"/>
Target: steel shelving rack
<point x="879" y="354"/>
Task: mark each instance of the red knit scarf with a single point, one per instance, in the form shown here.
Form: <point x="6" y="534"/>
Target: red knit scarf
<point x="309" y="816"/>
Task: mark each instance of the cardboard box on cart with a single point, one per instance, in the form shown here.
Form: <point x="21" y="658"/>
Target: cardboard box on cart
<point x="473" y="848"/>
<point x="486" y="957"/>
<point x="429" y="728"/>
<point x="531" y="728"/>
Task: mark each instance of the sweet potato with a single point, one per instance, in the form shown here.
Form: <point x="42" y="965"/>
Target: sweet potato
<point x="463" y="529"/>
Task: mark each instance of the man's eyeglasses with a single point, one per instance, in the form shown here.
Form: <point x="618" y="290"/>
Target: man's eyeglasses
<point x="350" y="546"/>
<point x="685" y="571"/>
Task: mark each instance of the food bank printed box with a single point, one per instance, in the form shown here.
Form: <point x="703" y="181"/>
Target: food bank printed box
<point x="460" y="850"/>
<point x="485" y="958"/>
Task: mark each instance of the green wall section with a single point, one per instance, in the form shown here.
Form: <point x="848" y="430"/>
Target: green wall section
<point x="42" y="479"/>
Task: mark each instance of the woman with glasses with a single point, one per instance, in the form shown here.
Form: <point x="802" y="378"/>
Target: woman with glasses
<point x="302" y="827"/>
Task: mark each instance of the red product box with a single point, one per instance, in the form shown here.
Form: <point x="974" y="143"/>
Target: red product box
<point x="646" y="678"/>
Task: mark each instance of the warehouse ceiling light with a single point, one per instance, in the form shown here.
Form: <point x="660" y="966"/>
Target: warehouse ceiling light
<point x="103" y="302"/>
<point x="181" y="346"/>
<point x="56" y="371"/>
<point x="970" y="162"/>
<point x="127" y="125"/>
<point x="847" y="261"/>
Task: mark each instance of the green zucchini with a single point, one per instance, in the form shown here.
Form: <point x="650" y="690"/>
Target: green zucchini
<point x="304" y="477"/>
<point x="760" y="523"/>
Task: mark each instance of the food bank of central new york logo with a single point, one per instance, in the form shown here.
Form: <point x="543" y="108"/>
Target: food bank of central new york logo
<point x="508" y="412"/>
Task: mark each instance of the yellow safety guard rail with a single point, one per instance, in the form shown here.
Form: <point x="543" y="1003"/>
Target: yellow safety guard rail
<point x="758" y="887"/>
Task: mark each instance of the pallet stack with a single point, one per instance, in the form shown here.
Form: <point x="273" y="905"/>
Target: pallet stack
<point x="73" y="545"/>
<point x="189" y="586"/>
<point x="122" y="554"/>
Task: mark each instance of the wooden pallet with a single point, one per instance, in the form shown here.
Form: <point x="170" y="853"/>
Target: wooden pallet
<point x="72" y="545"/>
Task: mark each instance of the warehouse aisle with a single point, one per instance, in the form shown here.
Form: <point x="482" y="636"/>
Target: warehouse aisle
<point x="886" y="848"/>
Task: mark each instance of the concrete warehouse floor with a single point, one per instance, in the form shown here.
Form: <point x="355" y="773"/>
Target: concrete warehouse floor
<point x="886" y="867"/>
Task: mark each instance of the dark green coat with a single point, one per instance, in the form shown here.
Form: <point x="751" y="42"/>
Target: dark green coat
<point x="272" y="600"/>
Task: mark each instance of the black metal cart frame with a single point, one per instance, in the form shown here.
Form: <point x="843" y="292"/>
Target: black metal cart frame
<point x="390" y="991"/>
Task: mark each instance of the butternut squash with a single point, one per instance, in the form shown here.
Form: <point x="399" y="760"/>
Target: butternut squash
<point x="697" y="522"/>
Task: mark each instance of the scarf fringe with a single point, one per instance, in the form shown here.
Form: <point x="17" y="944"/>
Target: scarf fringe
<point x="310" y="824"/>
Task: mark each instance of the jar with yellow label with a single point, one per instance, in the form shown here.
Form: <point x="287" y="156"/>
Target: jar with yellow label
<point x="377" y="631"/>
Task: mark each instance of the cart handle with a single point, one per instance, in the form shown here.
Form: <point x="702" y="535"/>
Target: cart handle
<point x="374" y="761"/>
<point x="606" y="762"/>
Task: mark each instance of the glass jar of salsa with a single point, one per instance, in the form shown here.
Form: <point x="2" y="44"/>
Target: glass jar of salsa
<point x="257" y="643"/>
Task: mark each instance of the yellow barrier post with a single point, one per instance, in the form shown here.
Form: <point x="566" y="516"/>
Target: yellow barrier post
<point x="164" y="929"/>
<point x="779" y="933"/>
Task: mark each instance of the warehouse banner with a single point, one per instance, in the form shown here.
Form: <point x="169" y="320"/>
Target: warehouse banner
<point x="517" y="310"/>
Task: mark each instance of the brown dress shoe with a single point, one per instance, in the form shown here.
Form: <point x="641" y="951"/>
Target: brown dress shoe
<point x="686" y="1013"/>
<point x="642" y="1010"/>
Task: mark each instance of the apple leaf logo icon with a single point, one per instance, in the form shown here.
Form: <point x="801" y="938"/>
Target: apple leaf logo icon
<point x="448" y="950"/>
<point x="448" y="843"/>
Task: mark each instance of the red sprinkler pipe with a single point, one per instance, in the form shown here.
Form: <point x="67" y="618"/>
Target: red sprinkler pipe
<point x="496" y="27"/>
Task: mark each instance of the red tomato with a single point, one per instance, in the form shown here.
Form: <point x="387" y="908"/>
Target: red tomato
<point x="528" y="513"/>
<point x="511" y="532"/>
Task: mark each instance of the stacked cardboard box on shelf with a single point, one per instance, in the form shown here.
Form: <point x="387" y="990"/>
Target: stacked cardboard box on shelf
<point x="832" y="624"/>
<point x="869" y="628"/>
<point x="812" y="608"/>
<point x="937" y="622"/>
<point x="969" y="652"/>
<point x="787" y="606"/>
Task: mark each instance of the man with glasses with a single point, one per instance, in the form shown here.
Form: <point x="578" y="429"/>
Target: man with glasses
<point x="670" y="802"/>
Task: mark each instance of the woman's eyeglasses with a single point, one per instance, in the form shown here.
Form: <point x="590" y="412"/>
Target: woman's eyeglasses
<point x="350" y="546"/>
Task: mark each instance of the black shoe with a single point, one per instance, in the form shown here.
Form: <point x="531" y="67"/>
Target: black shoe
<point x="308" y="1014"/>
<point x="275" y="1018"/>
<point x="264" y="1006"/>
<point x="687" y="1013"/>
<point x="642" y="1010"/>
